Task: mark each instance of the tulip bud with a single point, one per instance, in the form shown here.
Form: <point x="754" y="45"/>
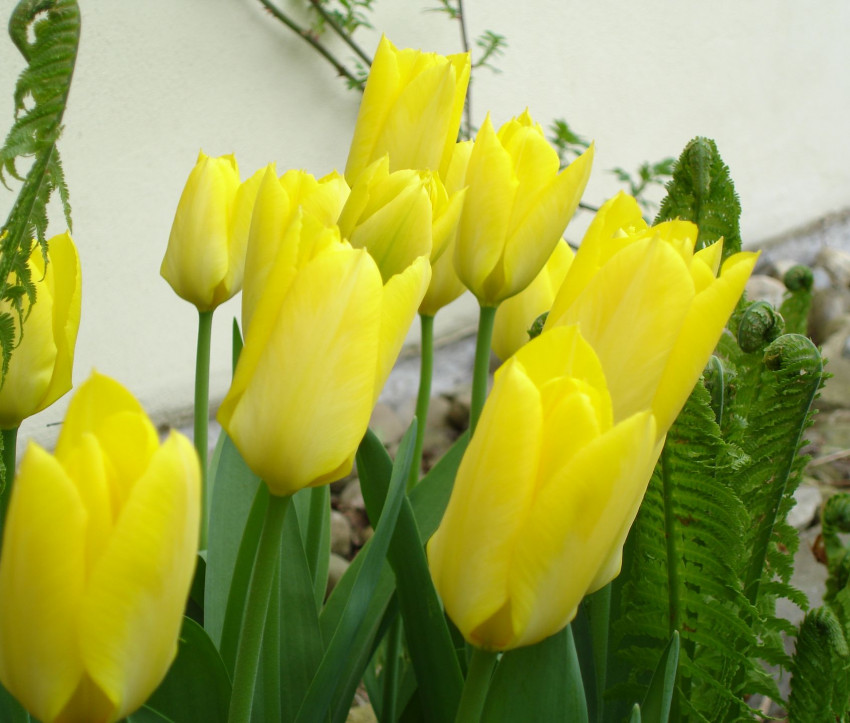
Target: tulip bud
<point x="322" y="340"/>
<point x="41" y="365"/>
<point x="651" y="308"/>
<point x="542" y="495"/>
<point x="515" y="316"/>
<point x="516" y="208"/>
<point x="98" y="554"/>
<point x="411" y="110"/>
<point x="445" y="286"/>
<point x="277" y="204"/>
<point x="205" y="257"/>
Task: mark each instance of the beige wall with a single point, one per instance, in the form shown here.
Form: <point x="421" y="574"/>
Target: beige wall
<point x="158" y="79"/>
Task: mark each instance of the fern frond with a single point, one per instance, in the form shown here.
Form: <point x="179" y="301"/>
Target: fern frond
<point x="702" y="191"/>
<point x="41" y="94"/>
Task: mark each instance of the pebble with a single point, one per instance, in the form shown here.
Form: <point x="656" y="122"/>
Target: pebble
<point x="836" y="263"/>
<point x="340" y="534"/>
<point x="765" y="288"/>
<point x="829" y="311"/>
<point x="837" y="352"/>
<point x="336" y="569"/>
<point x="361" y="714"/>
<point x="808" y="500"/>
<point x="387" y="425"/>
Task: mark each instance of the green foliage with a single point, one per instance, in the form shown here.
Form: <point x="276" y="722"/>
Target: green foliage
<point x="568" y="143"/>
<point x="702" y="191"/>
<point x="797" y="299"/>
<point x="710" y="552"/>
<point x="350" y="15"/>
<point x="41" y="94"/>
<point x="492" y="45"/>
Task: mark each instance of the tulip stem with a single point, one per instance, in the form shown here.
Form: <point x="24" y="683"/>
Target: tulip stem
<point x="256" y="609"/>
<point x="423" y="399"/>
<point x="202" y="411"/>
<point x="481" y="370"/>
<point x="477" y="685"/>
<point x="10" y="442"/>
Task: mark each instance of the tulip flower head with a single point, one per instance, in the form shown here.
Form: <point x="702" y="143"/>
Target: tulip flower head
<point x="98" y="554"/>
<point x="651" y="307"/>
<point x="205" y="257"/>
<point x="516" y="208"/>
<point x="322" y="340"/>
<point x="40" y="368"/>
<point x="541" y="496"/>
<point x="515" y="316"/>
<point x="411" y="110"/>
<point x="277" y="204"/>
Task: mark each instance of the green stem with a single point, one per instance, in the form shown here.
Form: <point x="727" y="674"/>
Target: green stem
<point x="423" y="399"/>
<point x="391" y="670"/>
<point x="481" y="369"/>
<point x="673" y="559"/>
<point x="202" y="411"/>
<point x="476" y="686"/>
<point x="599" y="613"/>
<point x="10" y="442"/>
<point x="342" y="32"/>
<point x="256" y="607"/>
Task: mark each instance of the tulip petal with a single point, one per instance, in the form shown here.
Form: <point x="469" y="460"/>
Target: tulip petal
<point x="240" y="228"/>
<point x="700" y="332"/>
<point x="41" y="581"/>
<point x="130" y="614"/>
<point x="402" y="295"/>
<point x="470" y="553"/>
<point x="631" y="313"/>
<point x="96" y="400"/>
<point x="568" y="533"/>
<point x="302" y="393"/>
<point x="445" y="286"/>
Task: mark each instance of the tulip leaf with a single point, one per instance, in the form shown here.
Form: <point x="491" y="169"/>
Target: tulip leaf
<point x="540" y="682"/>
<point x="147" y="715"/>
<point x="234" y="488"/>
<point x="10" y="710"/>
<point x="197" y="687"/>
<point x="367" y="576"/>
<point x="635" y="714"/>
<point x="300" y="639"/>
<point x="656" y="705"/>
<point x="430" y="497"/>
<point x="314" y="515"/>
<point x="428" y="638"/>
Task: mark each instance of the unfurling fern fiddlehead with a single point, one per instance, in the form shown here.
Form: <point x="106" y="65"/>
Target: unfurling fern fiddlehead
<point x="41" y="94"/>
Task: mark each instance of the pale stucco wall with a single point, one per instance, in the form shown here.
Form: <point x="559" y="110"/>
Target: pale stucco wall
<point x="158" y="79"/>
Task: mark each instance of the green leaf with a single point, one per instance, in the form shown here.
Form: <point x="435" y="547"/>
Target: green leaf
<point x="197" y="687"/>
<point x="634" y="717"/>
<point x="656" y="704"/>
<point x="300" y="641"/>
<point x="314" y="515"/>
<point x="338" y="653"/>
<point x="237" y="344"/>
<point x="539" y="682"/>
<point x="234" y="489"/>
<point x="10" y="709"/>
<point x="147" y="715"/>
<point x="428" y="638"/>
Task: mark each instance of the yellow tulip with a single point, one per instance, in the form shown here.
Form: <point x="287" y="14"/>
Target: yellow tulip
<point x="515" y="316"/>
<point x="41" y="365"/>
<point x="98" y="554"/>
<point x="516" y="208"/>
<point x="445" y="286"/>
<point x="205" y="257"/>
<point x="399" y="216"/>
<point x="541" y="495"/>
<point x="411" y="110"/>
<point x="277" y="204"/>
<point x="652" y="309"/>
<point x="322" y="340"/>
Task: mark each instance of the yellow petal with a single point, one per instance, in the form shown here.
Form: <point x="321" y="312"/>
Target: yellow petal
<point x="567" y="534"/>
<point x="445" y="286"/>
<point x="42" y="573"/>
<point x="132" y="609"/>
<point x="297" y="416"/>
<point x="240" y="227"/>
<point x="469" y="554"/>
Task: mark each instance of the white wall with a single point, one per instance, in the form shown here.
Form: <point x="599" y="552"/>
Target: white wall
<point x="158" y="79"/>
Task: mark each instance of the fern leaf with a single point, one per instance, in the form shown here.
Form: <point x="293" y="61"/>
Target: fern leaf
<point x="41" y="94"/>
<point x="702" y="191"/>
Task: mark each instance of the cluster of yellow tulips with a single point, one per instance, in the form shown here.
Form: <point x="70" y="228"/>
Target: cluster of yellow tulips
<point x="333" y="272"/>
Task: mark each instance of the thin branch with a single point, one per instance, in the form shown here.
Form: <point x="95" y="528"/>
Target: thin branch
<point x="464" y="39"/>
<point x="346" y="37"/>
<point x="307" y="36"/>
